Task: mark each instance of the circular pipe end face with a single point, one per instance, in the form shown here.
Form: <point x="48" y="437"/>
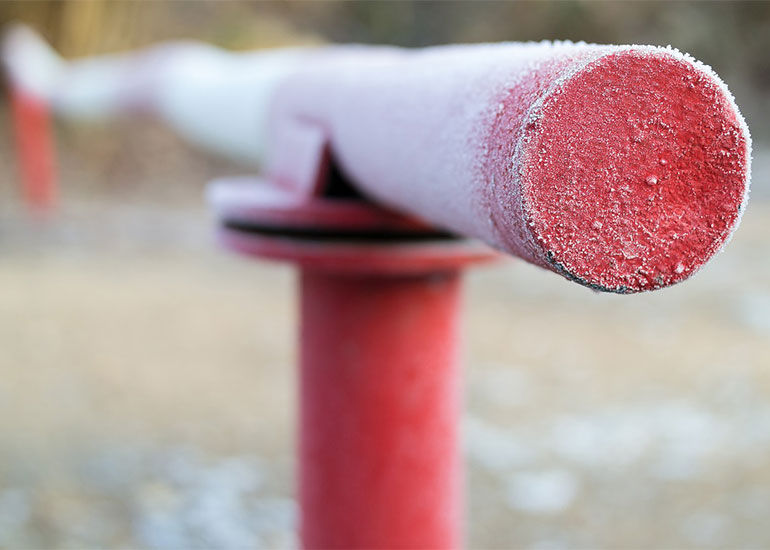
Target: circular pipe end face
<point x="634" y="171"/>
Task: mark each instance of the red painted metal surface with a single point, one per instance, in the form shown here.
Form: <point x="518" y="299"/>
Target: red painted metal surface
<point x="623" y="168"/>
<point x="379" y="381"/>
<point x="35" y="149"/>
<point x="630" y="178"/>
<point x="379" y="457"/>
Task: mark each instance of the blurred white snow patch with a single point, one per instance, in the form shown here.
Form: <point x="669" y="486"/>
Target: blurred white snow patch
<point x="679" y="438"/>
<point x="492" y="448"/>
<point x="544" y="492"/>
<point x="192" y="503"/>
<point x="704" y="528"/>
<point x="753" y="311"/>
<point x="551" y="544"/>
<point x="235" y="475"/>
<point x="504" y="385"/>
<point x="275" y="520"/>
<point x="157" y="519"/>
<point x="14" y="513"/>
<point x="609" y="439"/>
<point x="112" y="469"/>
<point x="216" y="511"/>
<point x="690" y="437"/>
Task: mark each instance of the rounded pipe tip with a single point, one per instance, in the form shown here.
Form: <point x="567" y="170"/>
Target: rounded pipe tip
<point x="633" y="170"/>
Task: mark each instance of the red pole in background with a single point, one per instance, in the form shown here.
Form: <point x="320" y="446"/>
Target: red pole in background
<point x="35" y="151"/>
<point x="379" y="456"/>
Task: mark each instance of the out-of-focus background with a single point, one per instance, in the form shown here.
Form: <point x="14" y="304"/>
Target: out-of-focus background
<point x="147" y="379"/>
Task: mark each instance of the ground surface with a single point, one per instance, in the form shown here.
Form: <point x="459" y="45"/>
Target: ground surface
<point x="146" y="384"/>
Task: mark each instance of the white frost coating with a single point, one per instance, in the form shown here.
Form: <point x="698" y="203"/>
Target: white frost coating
<point x="543" y="492"/>
<point x="409" y="127"/>
<point x="213" y="98"/>
<point x="31" y="64"/>
<point x="220" y="100"/>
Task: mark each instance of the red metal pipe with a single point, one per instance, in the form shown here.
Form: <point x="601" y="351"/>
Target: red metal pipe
<point x="35" y="149"/>
<point x="379" y="463"/>
<point x="623" y="168"/>
<point x="379" y="458"/>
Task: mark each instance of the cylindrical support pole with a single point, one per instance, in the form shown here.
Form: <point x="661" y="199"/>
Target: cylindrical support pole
<point x="35" y="150"/>
<point x="380" y="400"/>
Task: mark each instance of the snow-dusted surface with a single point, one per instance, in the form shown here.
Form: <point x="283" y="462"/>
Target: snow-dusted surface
<point x="550" y="151"/>
<point x="215" y="99"/>
<point x="155" y="498"/>
<point x="515" y="144"/>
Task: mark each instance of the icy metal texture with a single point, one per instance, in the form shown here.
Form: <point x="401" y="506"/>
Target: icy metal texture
<point x="624" y="168"/>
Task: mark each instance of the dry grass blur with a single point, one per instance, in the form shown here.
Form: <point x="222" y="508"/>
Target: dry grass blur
<point x="146" y="378"/>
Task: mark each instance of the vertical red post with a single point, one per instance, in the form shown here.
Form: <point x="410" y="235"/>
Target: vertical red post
<point x="380" y="400"/>
<point x="35" y="150"/>
<point x="379" y="458"/>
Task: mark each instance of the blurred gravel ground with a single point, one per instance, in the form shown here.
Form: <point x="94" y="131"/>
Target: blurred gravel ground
<point x="146" y="385"/>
